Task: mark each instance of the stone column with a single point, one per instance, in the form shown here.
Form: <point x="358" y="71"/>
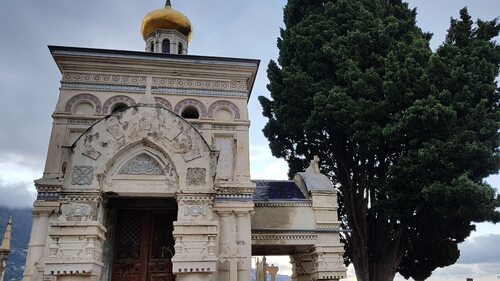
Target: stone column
<point x="244" y="247"/>
<point x="227" y="269"/>
<point x="38" y="240"/>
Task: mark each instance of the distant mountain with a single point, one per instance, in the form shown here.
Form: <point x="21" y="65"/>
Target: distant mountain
<point x="21" y="230"/>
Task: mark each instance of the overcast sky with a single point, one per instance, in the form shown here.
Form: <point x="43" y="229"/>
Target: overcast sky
<point x="29" y="80"/>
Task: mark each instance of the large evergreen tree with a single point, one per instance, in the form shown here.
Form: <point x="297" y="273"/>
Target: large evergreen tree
<point x="406" y="134"/>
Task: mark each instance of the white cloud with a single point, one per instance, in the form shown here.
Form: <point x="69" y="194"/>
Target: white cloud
<point x="18" y="195"/>
<point x="17" y="173"/>
<point x="264" y="166"/>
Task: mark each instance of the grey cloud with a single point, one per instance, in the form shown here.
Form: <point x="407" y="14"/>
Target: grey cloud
<point x="19" y="195"/>
<point x="481" y="249"/>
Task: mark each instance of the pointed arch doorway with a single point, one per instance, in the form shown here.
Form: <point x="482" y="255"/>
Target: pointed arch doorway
<point x="143" y="244"/>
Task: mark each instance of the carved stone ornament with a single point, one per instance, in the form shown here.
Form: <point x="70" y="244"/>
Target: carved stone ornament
<point x="142" y="164"/>
<point x="194" y="211"/>
<point x="76" y="210"/>
<point x="196" y="176"/>
<point x="82" y="175"/>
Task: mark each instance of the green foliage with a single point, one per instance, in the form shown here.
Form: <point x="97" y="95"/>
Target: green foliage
<point x="407" y="134"/>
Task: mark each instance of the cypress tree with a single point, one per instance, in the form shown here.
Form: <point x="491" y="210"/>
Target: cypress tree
<point x="407" y="134"/>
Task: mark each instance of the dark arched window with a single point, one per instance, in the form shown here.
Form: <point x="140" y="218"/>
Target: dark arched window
<point x="165" y="46"/>
<point x="118" y="107"/>
<point x="152" y="47"/>
<point x="190" y="113"/>
<point x="179" y="48"/>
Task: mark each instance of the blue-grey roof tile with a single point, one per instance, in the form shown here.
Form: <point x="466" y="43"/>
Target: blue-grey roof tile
<point x="276" y="190"/>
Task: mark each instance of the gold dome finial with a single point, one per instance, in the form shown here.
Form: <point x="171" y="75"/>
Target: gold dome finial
<point x="166" y="18"/>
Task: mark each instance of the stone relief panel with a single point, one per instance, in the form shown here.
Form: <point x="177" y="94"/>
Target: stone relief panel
<point x="194" y="207"/>
<point x="223" y="104"/>
<point x="225" y="165"/>
<point x="78" y="211"/>
<point x="82" y="175"/>
<point x="163" y="103"/>
<point x="196" y="176"/>
<point x="142" y="164"/>
<point x="191" y="102"/>
<point x="83" y="97"/>
<point x="106" y="109"/>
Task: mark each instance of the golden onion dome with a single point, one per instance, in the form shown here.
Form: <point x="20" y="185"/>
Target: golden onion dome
<point x="166" y="18"/>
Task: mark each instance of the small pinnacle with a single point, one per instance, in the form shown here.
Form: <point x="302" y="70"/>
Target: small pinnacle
<point x="168" y="4"/>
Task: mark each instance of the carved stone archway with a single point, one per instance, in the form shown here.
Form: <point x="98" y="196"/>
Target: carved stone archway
<point x="140" y="152"/>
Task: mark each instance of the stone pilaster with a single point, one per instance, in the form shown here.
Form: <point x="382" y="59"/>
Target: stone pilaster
<point x="235" y="240"/>
<point x="244" y="247"/>
<point x="42" y="210"/>
<point x="195" y="233"/>
<point x="327" y="252"/>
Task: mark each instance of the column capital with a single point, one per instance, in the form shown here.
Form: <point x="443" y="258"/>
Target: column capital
<point x="45" y="207"/>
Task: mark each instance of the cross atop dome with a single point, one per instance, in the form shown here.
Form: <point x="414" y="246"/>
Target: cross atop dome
<point x="166" y="30"/>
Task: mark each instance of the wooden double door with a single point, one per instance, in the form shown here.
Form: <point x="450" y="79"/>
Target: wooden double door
<point x="144" y="246"/>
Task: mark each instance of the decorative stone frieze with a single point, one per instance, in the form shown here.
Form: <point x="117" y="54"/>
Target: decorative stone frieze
<point x="110" y="79"/>
<point x="199" y="84"/>
<point x="283" y="238"/>
<point x="48" y="190"/>
<point x="102" y="87"/>
<point x="170" y="82"/>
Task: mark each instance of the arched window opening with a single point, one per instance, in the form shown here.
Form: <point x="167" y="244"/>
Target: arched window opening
<point x="179" y="48"/>
<point x="152" y="47"/>
<point x="165" y="46"/>
<point x="119" y="106"/>
<point x="190" y="112"/>
<point x="83" y="108"/>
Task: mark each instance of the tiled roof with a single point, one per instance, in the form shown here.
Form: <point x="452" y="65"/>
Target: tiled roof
<point x="277" y="190"/>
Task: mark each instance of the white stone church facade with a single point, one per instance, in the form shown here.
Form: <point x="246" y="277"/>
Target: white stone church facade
<point x="148" y="176"/>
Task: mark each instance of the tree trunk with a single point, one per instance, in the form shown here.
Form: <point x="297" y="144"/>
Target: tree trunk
<point x="376" y="253"/>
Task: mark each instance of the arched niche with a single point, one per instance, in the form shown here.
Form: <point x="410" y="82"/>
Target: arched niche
<point x="98" y="155"/>
<point x="142" y="170"/>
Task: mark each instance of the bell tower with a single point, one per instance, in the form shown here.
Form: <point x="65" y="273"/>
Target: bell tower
<point x="166" y="31"/>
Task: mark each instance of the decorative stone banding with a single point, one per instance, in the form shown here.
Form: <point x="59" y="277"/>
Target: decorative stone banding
<point x="163" y="103"/>
<point x="83" y="97"/>
<point x="108" y="105"/>
<point x="224" y="104"/>
<point x="191" y="102"/>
